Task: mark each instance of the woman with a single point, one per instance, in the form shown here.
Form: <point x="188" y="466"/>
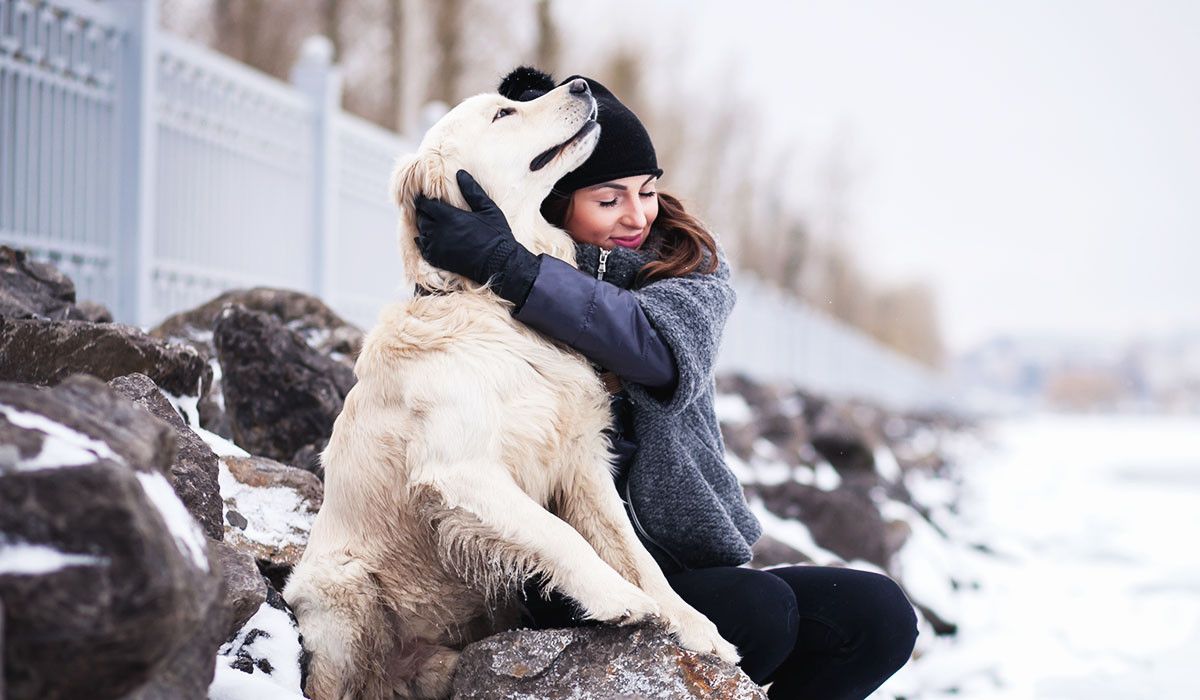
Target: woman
<point x="648" y="305"/>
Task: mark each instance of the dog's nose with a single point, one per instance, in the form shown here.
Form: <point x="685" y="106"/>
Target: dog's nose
<point x="579" y="86"/>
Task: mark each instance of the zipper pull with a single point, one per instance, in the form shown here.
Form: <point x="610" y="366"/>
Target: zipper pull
<point x="603" y="264"/>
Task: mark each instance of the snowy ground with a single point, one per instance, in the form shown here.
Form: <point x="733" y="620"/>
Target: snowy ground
<point x="1093" y="590"/>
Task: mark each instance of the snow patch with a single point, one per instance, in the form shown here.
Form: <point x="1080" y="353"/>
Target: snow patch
<point x="23" y="559"/>
<point x="732" y="408"/>
<point x="825" y="477"/>
<point x="793" y="533"/>
<point x="278" y="642"/>
<point x="886" y="465"/>
<point x="188" y="536"/>
<point x="276" y="516"/>
<point x="61" y="446"/>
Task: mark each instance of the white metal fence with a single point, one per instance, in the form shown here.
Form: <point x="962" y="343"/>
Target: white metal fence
<point x="157" y="173"/>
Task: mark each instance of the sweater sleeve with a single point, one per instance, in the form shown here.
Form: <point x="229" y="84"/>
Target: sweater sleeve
<point x="602" y="321"/>
<point x="689" y="313"/>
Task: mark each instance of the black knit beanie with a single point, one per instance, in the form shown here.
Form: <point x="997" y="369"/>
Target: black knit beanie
<point x="624" y="148"/>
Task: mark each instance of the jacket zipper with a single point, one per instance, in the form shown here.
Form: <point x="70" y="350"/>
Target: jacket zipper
<point x="603" y="264"/>
<point x="638" y="526"/>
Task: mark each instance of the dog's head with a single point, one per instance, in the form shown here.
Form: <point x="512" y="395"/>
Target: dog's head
<point x="515" y="150"/>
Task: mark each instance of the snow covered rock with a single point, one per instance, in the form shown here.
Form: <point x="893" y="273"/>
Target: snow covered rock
<point x="598" y="662"/>
<point x="269" y="507"/>
<point x="322" y="329"/>
<point x="46" y="352"/>
<point x="32" y="289"/>
<point x="99" y="559"/>
<point x="265" y="658"/>
<point x="193" y="472"/>
<point x="842" y="521"/>
<point x="280" y="394"/>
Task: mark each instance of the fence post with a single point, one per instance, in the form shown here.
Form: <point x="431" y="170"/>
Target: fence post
<point x="315" y="75"/>
<point x="137" y="144"/>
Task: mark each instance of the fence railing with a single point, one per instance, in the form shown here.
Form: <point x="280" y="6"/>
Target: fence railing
<point x="157" y="173"/>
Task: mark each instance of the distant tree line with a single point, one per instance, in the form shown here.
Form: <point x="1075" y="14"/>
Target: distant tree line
<point x="399" y="55"/>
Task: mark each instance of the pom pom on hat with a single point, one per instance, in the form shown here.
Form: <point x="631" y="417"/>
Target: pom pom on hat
<point x="526" y="83"/>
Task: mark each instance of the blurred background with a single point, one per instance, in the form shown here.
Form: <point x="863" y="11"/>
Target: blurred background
<point x="1001" y="191"/>
<point x="964" y="236"/>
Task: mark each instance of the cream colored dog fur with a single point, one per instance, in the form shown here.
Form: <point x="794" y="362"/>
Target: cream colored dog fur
<point x="470" y="454"/>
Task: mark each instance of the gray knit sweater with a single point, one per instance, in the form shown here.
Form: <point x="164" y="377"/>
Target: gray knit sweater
<point x="683" y="495"/>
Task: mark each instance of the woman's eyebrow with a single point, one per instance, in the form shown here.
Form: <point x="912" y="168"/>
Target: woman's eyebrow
<point x="610" y="185"/>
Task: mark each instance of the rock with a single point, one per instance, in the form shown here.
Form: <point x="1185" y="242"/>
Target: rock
<point x="46" y="352"/>
<point x="32" y="289"/>
<point x="276" y="502"/>
<point x="99" y="559"/>
<point x="96" y="313"/>
<point x="317" y="324"/>
<point x="769" y="551"/>
<point x="245" y="589"/>
<point x="844" y="521"/>
<point x="842" y="441"/>
<point x="309" y="317"/>
<point x="594" y="662"/>
<point x="193" y="472"/>
<point x="269" y="648"/>
<point x="281" y="395"/>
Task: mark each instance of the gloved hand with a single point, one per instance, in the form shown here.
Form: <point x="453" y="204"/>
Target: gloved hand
<point x="476" y="244"/>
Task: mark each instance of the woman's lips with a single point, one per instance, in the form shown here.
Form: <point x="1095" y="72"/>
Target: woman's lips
<point x="631" y="242"/>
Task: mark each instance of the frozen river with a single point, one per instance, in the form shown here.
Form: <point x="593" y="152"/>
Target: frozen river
<point x="1093" y="587"/>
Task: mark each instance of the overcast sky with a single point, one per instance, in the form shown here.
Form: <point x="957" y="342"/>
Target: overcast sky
<point x="1037" y="162"/>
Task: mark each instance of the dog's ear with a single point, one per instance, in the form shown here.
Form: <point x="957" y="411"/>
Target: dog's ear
<point x="419" y="173"/>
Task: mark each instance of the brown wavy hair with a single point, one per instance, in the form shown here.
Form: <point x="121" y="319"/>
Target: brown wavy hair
<point x="681" y="246"/>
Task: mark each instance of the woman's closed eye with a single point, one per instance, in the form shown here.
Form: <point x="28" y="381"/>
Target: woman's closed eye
<point x="613" y="202"/>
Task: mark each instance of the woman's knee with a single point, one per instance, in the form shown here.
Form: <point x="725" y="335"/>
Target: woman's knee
<point x="752" y="610"/>
<point x="870" y="610"/>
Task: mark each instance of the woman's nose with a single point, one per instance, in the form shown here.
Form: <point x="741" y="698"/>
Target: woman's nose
<point x="635" y="216"/>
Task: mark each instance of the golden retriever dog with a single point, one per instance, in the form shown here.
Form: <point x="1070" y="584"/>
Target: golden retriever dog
<point x="470" y="455"/>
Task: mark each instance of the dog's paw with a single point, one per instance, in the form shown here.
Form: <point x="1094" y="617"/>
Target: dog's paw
<point x="698" y="633"/>
<point x="621" y="605"/>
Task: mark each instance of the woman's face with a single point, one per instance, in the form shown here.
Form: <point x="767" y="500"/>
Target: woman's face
<point x="613" y="213"/>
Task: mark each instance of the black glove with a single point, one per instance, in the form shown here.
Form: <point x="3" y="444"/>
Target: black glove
<point x="476" y="244"/>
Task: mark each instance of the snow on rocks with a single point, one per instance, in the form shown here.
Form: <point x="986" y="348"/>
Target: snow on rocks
<point x="594" y="663"/>
<point x="100" y="560"/>
<point x="263" y="659"/>
<point x="269" y="507"/>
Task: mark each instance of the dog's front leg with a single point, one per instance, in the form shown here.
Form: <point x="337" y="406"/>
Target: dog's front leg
<point x="495" y="534"/>
<point x="590" y="504"/>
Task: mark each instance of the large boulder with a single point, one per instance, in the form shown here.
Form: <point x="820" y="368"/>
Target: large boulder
<point x="32" y="289"/>
<point x="597" y="662"/>
<point x="280" y="394"/>
<point x="270" y="508"/>
<point x="314" y="322"/>
<point x="321" y="328"/>
<point x="245" y="588"/>
<point x="193" y="472"/>
<point x="99" y="559"/>
<point x="46" y="352"/>
<point x="844" y="521"/>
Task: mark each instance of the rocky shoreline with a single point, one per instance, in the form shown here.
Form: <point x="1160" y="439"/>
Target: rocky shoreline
<point x="157" y="487"/>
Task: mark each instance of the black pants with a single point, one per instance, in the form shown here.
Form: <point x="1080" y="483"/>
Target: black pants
<point x="811" y="631"/>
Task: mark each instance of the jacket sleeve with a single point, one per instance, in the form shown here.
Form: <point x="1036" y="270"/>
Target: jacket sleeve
<point x="600" y="320"/>
<point x="689" y="313"/>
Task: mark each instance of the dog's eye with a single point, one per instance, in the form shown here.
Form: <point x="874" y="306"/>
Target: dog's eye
<point x="503" y="112"/>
